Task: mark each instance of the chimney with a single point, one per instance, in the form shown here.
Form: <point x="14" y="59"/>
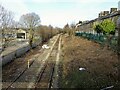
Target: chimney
<point x="101" y="14"/>
<point x="119" y="5"/>
<point x="105" y="13"/>
<point x="112" y="10"/>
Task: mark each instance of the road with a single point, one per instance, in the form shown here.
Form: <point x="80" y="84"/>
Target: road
<point x="38" y="70"/>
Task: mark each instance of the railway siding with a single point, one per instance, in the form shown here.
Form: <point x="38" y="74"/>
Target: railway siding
<point x="30" y="76"/>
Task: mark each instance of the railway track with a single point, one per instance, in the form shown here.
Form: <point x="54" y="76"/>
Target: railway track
<point x="22" y="71"/>
<point x="18" y="72"/>
<point x="19" y="75"/>
<point x="44" y="75"/>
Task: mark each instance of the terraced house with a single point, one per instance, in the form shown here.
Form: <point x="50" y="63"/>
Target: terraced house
<point x="112" y="15"/>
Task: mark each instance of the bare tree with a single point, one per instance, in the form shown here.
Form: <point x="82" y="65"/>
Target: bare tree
<point x="66" y="28"/>
<point x="51" y="31"/>
<point x="14" y="24"/>
<point x="41" y="31"/>
<point x="6" y="18"/>
<point x="46" y="32"/>
<point x="72" y="31"/>
<point x="30" y="21"/>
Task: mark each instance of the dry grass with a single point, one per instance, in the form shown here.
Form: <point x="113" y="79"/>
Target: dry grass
<point x="99" y="62"/>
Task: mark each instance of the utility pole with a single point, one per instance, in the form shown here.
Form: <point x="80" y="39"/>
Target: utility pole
<point x="118" y="46"/>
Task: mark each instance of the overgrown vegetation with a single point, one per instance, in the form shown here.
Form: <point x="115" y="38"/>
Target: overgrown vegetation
<point x="69" y="29"/>
<point x="46" y="32"/>
<point x="108" y="27"/>
<point x="98" y="28"/>
<point x="105" y="27"/>
<point x="100" y="65"/>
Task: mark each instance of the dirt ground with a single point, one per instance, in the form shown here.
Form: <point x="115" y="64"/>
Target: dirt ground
<point x="100" y="64"/>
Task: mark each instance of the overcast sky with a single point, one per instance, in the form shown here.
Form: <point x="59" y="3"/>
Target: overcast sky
<point x="59" y="12"/>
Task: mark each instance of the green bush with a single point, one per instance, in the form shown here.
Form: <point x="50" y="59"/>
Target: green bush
<point x="108" y="27"/>
<point x="105" y="27"/>
<point x="98" y="28"/>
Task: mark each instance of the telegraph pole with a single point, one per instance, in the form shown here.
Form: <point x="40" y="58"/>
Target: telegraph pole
<point x="118" y="46"/>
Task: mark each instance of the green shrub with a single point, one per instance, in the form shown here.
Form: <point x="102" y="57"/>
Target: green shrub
<point x="105" y="27"/>
<point x="108" y="27"/>
<point x="98" y="28"/>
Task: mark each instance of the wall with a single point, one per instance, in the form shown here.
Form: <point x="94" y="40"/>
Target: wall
<point x="5" y="59"/>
